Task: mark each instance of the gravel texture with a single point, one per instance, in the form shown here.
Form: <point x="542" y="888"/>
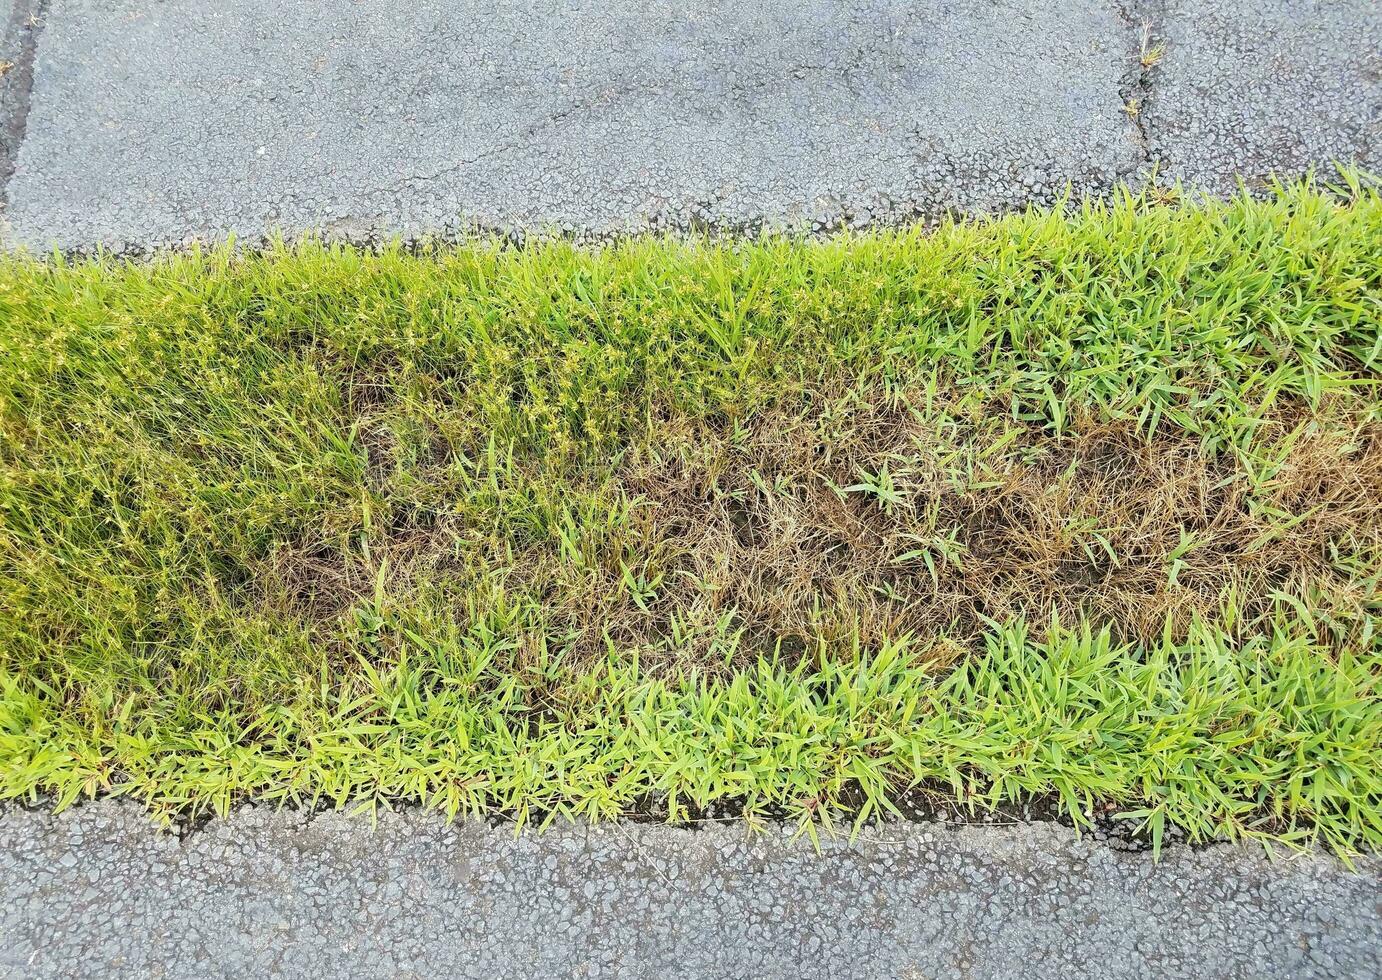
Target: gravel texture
<point x="97" y="892"/>
<point x="1245" y="89"/>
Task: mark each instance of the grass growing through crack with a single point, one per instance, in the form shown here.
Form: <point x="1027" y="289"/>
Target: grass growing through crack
<point x="559" y="530"/>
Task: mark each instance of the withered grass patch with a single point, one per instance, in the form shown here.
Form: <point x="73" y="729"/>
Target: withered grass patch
<point x="881" y="521"/>
<point x="861" y="513"/>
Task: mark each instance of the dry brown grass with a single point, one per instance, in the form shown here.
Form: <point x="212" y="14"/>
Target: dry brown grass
<point x="1088" y="524"/>
<point x="763" y="530"/>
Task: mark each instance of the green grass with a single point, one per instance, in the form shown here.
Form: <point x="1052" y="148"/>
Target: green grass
<point x="562" y="532"/>
<point x="1270" y="740"/>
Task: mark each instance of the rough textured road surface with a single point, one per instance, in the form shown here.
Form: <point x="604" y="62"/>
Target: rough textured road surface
<point x="97" y="892"/>
<point x="141" y="123"/>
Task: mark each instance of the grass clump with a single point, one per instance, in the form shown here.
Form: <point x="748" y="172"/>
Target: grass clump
<point x="563" y="531"/>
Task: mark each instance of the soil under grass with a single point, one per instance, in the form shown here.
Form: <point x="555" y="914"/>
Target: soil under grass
<point x="1082" y="504"/>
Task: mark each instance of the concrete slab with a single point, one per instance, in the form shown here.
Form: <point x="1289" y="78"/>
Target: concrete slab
<point x="132" y="123"/>
<point x="154" y="121"/>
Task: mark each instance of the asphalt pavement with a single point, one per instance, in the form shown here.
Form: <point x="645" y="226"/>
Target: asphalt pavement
<point x="98" y="892"/>
<point x="145" y="124"/>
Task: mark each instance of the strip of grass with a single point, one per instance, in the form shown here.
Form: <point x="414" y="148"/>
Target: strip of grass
<point x="562" y="530"/>
<point x="1272" y="740"/>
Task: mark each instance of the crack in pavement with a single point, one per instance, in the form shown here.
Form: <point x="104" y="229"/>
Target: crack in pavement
<point x="1144" y="18"/>
<point x="520" y="139"/>
<point x="17" y="49"/>
<point x="609" y="95"/>
<point x="1249" y="93"/>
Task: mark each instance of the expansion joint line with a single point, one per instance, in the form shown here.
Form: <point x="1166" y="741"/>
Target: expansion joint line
<point x="1143" y="18"/>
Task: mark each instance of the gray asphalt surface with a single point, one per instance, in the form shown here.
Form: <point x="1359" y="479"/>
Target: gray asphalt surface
<point x="96" y="892"/>
<point x="18" y="41"/>
<point x="1248" y="88"/>
<point x="150" y="122"/>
